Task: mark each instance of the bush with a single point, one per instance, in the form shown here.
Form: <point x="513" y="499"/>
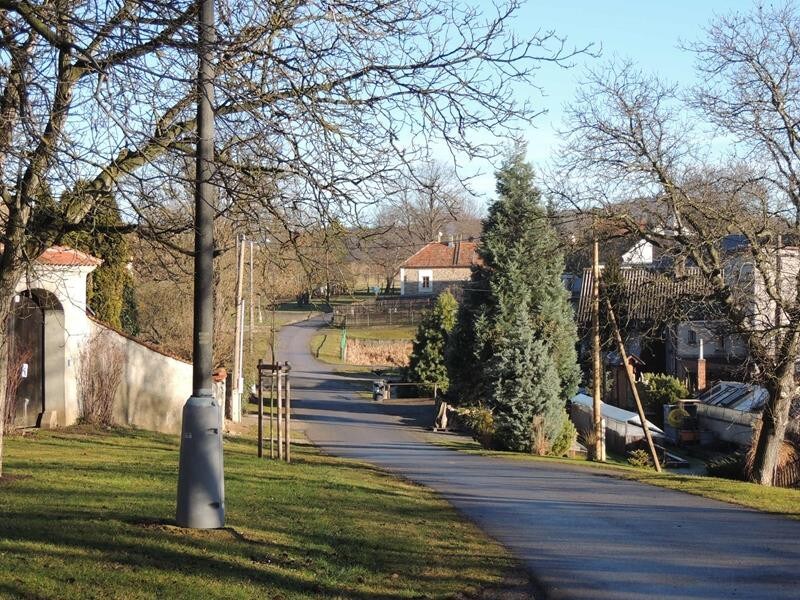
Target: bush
<point x="480" y="422"/>
<point x="731" y="466"/>
<point x="99" y="377"/>
<point x="664" y="389"/>
<point x="640" y="458"/>
<point x="566" y="437"/>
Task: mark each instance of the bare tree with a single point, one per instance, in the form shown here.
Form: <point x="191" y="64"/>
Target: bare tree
<point x="433" y="201"/>
<point x="326" y="99"/>
<point x="704" y="164"/>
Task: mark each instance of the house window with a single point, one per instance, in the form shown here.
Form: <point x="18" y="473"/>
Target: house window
<point x="692" y="337"/>
<point x="426" y="282"/>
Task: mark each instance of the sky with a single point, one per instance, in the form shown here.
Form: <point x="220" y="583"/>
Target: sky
<point x="645" y="31"/>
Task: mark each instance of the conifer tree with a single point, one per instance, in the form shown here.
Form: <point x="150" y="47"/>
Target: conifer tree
<point x="427" y="357"/>
<point x="110" y="292"/>
<point x="517" y="320"/>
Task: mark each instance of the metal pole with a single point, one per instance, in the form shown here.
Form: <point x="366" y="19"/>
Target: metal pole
<point x="201" y="479"/>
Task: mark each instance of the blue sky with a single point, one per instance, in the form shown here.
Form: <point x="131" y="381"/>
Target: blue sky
<point x="646" y="31"/>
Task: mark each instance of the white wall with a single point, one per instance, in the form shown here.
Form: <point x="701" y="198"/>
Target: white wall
<point x="68" y="285"/>
<point x="154" y="386"/>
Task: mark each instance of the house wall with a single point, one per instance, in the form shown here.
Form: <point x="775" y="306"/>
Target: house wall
<point x="441" y="279"/>
<point x="716" y="345"/>
<point x="154" y="386"/>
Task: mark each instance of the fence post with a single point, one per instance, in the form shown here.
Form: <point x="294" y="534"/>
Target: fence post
<point x="279" y="373"/>
<point x="288" y="417"/>
<point x="271" y="413"/>
<point x="260" y="409"/>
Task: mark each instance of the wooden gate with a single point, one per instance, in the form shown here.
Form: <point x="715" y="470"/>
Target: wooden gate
<point x="27" y="360"/>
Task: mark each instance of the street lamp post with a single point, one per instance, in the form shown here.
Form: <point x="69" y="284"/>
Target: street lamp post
<point x="201" y="488"/>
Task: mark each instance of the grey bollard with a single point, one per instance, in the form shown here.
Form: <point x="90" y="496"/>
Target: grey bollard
<point x="201" y="487"/>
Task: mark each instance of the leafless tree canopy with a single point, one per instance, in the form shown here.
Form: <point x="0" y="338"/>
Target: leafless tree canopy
<point x="686" y="168"/>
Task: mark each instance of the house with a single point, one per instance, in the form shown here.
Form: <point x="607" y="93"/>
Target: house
<point x="672" y="322"/>
<point x="51" y="335"/>
<point x="438" y="266"/>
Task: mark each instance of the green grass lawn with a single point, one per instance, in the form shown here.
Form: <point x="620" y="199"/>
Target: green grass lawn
<point x="89" y="514"/>
<point x="780" y="501"/>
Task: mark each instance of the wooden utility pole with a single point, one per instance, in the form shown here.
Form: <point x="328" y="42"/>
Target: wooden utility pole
<point x="629" y="373"/>
<point x="597" y="363"/>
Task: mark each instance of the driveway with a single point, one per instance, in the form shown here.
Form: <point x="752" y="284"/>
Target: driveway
<point x="582" y="534"/>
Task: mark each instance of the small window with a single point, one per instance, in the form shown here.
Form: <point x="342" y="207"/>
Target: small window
<point x="692" y="337"/>
<point x="426" y="282"/>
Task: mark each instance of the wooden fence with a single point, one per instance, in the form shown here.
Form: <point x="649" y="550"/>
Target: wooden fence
<point x="394" y="311"/>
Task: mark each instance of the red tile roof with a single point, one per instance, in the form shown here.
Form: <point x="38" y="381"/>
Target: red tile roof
<point x="67" y="257"/>
<point x="440" y="255"/>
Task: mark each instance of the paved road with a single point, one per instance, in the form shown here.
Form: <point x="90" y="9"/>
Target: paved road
<point x="582" y="534"/>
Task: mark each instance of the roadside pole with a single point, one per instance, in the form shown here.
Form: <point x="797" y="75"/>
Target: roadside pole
<point x="597" y="363"/>
<point x="201" y="478"/>
<point x="624" y="356"/>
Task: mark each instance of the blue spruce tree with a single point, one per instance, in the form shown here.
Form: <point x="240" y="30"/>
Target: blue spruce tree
<point x="516" y="331"/>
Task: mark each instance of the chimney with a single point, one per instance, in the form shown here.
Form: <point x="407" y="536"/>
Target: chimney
<point x="439" y="238"/>
<point x="701" y="370"/>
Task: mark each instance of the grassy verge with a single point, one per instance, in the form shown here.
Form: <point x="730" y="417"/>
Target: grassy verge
<point x="89" y="515"/>
<point x="781" y="501"/>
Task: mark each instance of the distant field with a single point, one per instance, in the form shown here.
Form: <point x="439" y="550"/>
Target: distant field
<point x="89" y="514"/>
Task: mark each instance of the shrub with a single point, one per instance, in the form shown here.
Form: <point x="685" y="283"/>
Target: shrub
<point x="664" y="389"/>
<point x="730" y="466"/>
<point x="640" y="458"/>
<point x="480" y="422"/>
<point x="100" y="375"/>
<point x="588" y="437"/>
<point x="564" y="440"/>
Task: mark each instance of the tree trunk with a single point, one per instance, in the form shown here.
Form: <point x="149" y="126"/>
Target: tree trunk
<point x="5" y="311"/>
<point x="774" y="421"/>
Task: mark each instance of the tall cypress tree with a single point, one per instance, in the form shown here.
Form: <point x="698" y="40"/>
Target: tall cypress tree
<point x="427" y="357"/>
<point x="517" y="325"/>
<point x="110" y="293"/>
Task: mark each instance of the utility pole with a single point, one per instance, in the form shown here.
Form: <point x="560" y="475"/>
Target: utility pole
<point x="597" y="363"/>
<point x="238" y="334"/>
<point x="629" y="373"/>
<point x="252" y="306"/>
<point x="201" y="477"/>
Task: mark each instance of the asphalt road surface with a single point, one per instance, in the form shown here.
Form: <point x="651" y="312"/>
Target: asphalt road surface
<point x="582" y="534"/>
